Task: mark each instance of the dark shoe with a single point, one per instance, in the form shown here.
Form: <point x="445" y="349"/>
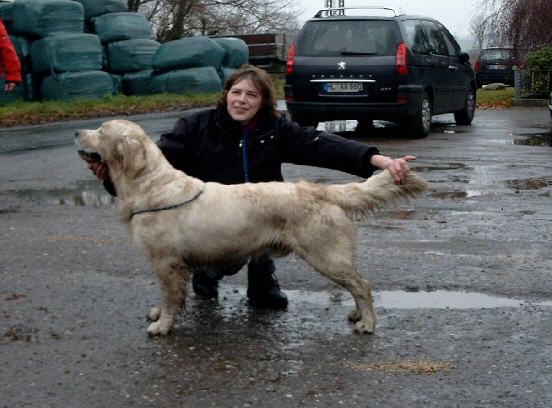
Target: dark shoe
<point x="204" y="285"/>
<point x="274" y="299"/>
<point x="263" y="290"/>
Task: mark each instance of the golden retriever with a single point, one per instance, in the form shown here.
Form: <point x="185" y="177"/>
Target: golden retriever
<point x="182" y="221"/>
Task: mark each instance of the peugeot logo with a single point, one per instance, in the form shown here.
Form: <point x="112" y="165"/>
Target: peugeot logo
<point x="341" y="65"/>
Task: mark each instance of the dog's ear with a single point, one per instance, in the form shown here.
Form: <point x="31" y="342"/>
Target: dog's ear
<point x="132" y="154"/>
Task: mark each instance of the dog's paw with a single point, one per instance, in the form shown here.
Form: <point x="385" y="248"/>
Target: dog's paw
<point x="159" y="328"/>
<point x="364" y="327"/>
<point x="354" y="315"/>
<point x="154" y="314"/>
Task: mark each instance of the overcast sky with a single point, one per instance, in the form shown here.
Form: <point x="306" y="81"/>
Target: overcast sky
<point x="454" y="14"/>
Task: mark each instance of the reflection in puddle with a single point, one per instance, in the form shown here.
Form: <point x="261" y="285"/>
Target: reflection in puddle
<point x="438" y="299"/>
<point x="90" y="193"/>
<point x="392" y="299"/>
<point x="539" y="139"/>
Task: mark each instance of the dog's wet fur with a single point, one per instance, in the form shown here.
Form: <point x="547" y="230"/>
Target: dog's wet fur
<point x="218" y="221"/>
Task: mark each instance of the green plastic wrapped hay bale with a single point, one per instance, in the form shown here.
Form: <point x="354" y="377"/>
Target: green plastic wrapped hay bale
<point x="66" y="52"/>
<point x="122" y="26"/>
<point x="117" y="83"/>
<point x="95" y="8"/>
<point x="138" y="83"/>
<point x="18" y="94"/>
<point x="188" y="52"/>
<point x="131" y="55"/>
<point x="198" y="80"/>
<point x="6" y="14"/>
<point x="225" y="73"/>
<point x="237" y="51"/>
<point x="42" y="18"/>
<point x="32" y="85"/>
<point x="71" y="85"/>
<point x="23" y="50"/>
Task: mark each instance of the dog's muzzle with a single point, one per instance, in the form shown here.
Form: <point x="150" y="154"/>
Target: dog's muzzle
<point x="87" y="156"/>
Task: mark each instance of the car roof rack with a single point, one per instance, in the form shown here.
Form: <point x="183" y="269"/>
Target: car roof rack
<point x="340" y="11"/>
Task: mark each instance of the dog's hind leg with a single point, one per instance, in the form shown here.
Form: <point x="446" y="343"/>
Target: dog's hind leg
<point x="173" y="278"/>
<point x="333" y="256"/>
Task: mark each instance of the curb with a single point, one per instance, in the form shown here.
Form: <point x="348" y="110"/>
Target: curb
<point x="529" y="102"/>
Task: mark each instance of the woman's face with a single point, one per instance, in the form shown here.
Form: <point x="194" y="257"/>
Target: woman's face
<point x="243" y="101"/>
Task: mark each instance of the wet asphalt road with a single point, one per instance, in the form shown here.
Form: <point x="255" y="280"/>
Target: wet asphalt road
<point x="462" y="276"/>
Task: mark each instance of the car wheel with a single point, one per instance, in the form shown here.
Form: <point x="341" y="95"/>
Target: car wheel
<point x="420" y="126"/>
<point x="304" y="120"/>
<point x="365" y="125"/>
<point x="465" y="116"/>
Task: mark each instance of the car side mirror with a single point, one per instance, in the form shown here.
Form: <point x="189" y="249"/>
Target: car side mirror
<point x="463" y="57"/>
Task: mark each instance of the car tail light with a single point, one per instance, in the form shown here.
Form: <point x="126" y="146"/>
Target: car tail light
<point x="401" y="60"/>
<point x="477" y="66"/>
<point x="291" y="58"/>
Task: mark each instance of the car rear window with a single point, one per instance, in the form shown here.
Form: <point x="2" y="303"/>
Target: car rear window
<point x="495" y="54"/>
<point x="328" y="38"/>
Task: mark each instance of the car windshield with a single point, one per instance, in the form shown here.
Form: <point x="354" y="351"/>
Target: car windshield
<point x="328" y="38"/>
<point x="498" y="54"/>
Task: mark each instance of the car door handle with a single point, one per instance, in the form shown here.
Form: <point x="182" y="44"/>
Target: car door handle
<point x="453" y="68"/>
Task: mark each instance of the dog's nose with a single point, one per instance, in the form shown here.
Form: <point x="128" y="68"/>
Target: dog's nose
<point x="77" y="133"/>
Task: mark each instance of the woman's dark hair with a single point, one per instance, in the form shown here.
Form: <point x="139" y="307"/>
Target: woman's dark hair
<point x="262" y="82"/>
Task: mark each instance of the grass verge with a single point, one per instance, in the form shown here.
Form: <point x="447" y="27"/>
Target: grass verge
<point x="34" y="113"/>
<point x="499" y="99"/>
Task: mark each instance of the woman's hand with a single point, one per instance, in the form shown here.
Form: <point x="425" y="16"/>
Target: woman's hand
<point x="100" y="170"/>
<point x="9" y="86"/>
<point x="399" y="168"/>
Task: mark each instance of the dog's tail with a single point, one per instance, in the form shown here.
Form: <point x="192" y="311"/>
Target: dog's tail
<point x="376" y="192"/>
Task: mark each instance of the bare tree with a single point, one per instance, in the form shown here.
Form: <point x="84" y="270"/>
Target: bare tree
<point x="523" y="23"/>
<point x="174" y="19"/>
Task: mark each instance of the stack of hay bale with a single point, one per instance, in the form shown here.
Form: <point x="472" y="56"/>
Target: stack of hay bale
<point x="91" y="48"/>
<point x="196" y="64"/>
<point x="22" y="49"/>
<point x="128" y="41"/>
<point x="66" y="62"/>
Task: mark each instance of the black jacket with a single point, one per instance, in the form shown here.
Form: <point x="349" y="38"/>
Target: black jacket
<point x="209" y="145"/>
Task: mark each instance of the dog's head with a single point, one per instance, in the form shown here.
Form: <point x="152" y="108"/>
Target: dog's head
<point x="121" y="144"/>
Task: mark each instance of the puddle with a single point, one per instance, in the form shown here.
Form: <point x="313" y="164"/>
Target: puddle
<point x="539" y="139"/>
<point x="448" y="194"/>
<point x="449" y="166"/>
<point x="399" y="299"/>
<point x="529" y="184"/>
<point x="89" y="193"/>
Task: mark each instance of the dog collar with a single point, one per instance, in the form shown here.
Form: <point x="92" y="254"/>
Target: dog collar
<point x="170" y="207"/>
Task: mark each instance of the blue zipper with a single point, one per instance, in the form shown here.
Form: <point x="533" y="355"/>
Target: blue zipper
<point x="245" y="155"/>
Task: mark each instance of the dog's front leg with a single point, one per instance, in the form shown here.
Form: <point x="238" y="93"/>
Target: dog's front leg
<point x="173" y="278"/>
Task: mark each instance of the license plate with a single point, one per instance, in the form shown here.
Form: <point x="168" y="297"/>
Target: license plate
<point x="343" y="87"/>
<point x="497" y="66"/>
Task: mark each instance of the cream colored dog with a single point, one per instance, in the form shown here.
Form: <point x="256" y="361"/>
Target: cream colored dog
<point x="181" y="221"/>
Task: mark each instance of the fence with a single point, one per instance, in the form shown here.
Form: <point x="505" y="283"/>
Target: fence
<point x="267" y="50"/>
<point x="532" y="83"/>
